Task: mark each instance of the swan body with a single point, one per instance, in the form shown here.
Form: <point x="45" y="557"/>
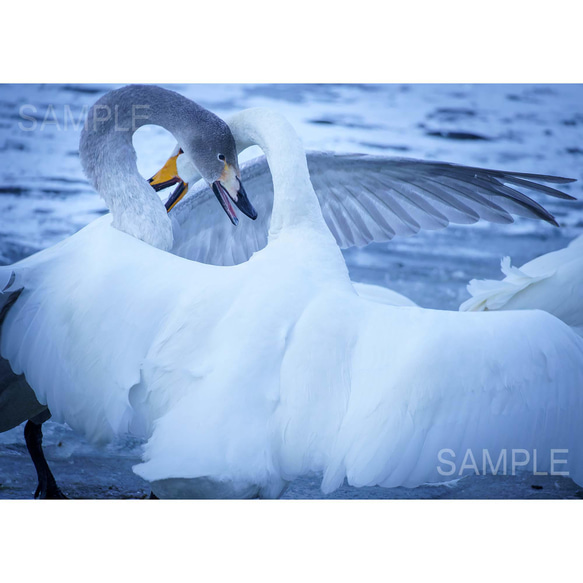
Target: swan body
<point x="261" y="372"/>
<point x="382" y="295"/>
<point x="109" y="160"/>
<point x="552" y="282"/>
<point x="353" y="389"/>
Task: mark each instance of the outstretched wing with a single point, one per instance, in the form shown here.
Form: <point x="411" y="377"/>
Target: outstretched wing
<point x="509" y="384"/>
<point x="364" y="199"/>
<point x="79" y="320"/>
<point x="373" y="198"/>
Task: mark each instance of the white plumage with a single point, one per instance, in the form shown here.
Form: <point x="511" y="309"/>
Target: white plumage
<point x="552" y="282"/>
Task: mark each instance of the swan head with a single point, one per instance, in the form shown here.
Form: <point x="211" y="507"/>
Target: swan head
<point x="214" y="156"/>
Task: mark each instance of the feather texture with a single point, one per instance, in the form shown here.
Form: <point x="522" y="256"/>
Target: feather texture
<point x="363" y="199"/>
<point x="552" y="282"/>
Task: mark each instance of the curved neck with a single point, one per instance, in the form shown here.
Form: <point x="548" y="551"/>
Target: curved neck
<point x="294" y="203"/>
<point x="109" y="159"/>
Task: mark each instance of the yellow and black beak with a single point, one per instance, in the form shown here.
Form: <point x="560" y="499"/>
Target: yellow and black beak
<point x="228" y="188"/>
<point x="168" y="176"/>
<point x="176" y="196"/>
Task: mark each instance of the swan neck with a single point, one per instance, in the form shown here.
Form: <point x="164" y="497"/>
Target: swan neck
<point x="109" y="158"/>
<point x="295" y="202"/>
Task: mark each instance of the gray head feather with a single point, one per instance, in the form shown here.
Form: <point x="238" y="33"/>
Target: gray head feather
<point x="109" y="159"/>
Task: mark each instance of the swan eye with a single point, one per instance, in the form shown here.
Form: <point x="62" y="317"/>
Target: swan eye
<point x="221" y="157"/>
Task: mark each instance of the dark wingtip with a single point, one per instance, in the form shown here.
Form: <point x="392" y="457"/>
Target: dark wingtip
<point x="561" y="180"/>
<point x="569" y="197"/>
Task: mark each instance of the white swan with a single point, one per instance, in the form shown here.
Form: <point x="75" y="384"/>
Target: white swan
<point x="358" y="390"/>
<point x="552" y="282"/>
<point x="109" y="161"/>
<point x="179" y="170"/>
<point x="363" y="199"/>
<point x="246" y="377"/>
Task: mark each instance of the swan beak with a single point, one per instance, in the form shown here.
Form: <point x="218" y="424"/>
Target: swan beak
<point x="243" y="203"/>
<point x="167" y="175"/>
<point x="225" y="200"/>
<point x="227" y="189"/>
<point x="177" y="195"/>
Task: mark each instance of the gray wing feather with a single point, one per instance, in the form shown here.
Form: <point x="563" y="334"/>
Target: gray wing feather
<point x="364" y="199"/>
<point x="202" y="231"/>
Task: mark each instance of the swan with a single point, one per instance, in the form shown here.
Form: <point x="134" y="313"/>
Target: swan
<point x="109" y="160"/>
<point x="280" y="369"/>
<point x="178" y="170"/>
<point x="552" y="282"/>
<point x="364" y="199"/>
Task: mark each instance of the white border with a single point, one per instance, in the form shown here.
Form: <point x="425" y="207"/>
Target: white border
<point x="246" y="41"/>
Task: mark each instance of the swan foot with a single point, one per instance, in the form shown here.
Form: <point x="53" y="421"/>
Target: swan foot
<point x="47" y="488"/>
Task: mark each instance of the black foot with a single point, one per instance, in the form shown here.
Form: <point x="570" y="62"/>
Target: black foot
<point x="51" y="493"/>
<point x="47" y="486"/>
